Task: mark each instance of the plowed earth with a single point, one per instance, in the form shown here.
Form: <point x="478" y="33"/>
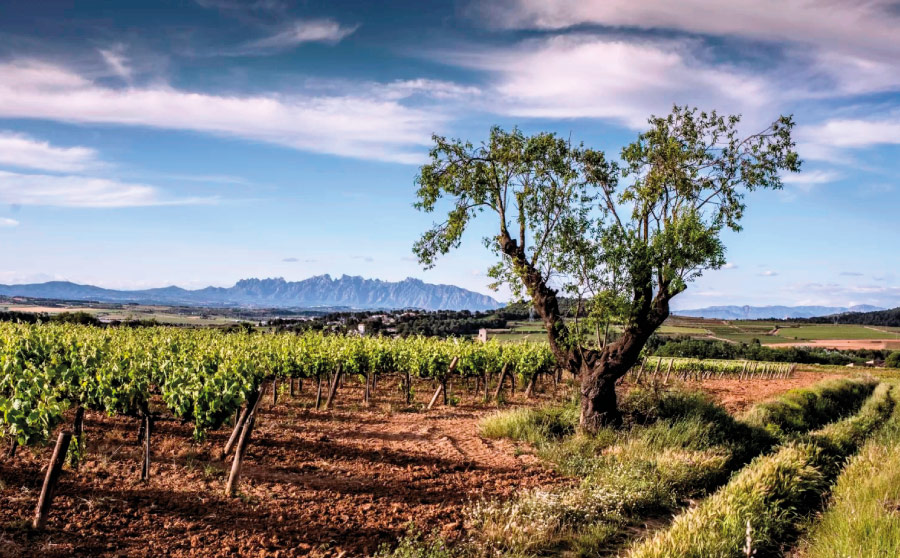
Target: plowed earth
<point x="314" y="483"/>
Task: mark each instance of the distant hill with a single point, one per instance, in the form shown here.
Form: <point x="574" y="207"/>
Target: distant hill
<point x="771" y="312"/>
<point x="321" y="290"/>
<point x="889" y="318"/>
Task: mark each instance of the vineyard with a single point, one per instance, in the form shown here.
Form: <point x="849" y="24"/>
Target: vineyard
<point x="212" y="386"/>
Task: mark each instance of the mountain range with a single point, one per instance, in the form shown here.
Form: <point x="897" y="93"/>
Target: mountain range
<point x="771" y="312"/>
<point x="319" y="291"/>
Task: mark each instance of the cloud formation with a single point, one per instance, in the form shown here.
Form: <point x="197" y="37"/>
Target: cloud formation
<point x="303" y="31"/>
<point x="23" y="151"/>
<point x="81" y="191"/>
<point x="7" y="223"/>
<point x="368" y="126"/>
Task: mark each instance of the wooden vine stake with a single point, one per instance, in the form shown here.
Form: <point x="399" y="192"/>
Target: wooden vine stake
<point x="530" y="389"/>
<point x="78" y="427"/>
<point x="500" y="382"/>
<point x="145" y="466"/>
<point x="334" y="388"/>
<point x="239" y="424"/>
<point x="51" y="479"/>
<point x="318" y="390"/>
<point x="243" y="442"/>
<point x="442" y="384"/>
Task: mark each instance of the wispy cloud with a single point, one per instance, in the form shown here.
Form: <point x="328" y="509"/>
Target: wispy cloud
<point x="117" y="61"/>
<point x="20" y="150"/>
<point x="596" y="76"/>
<point x="7" y="223"/>
<point x="852" y="133"/>
<point x="769" y="273"/>
<point x="290" y="260"/>
<point x="851" y="274"/>
<point x="302" y="31"/>
<point x="360" y="125"/>
<point x="82" y="191"/>
<point x="859" y="26"/>
<point x="806" y="181"/>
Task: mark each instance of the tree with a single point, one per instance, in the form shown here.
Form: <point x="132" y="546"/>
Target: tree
<point x="623" y="238"/>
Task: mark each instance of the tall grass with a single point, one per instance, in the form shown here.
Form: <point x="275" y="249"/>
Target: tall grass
<point x="763" y="505"/>
<point x="863" y="519"/>
<point x="800" y="410"/>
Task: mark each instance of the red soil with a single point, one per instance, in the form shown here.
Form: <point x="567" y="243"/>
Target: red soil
<point x="315" y="483"/>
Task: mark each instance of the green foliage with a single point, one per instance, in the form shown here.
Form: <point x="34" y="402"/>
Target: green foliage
<point x="893" y="360"/>
<point x="204" y="376"/>
<point x="562" y="211"/>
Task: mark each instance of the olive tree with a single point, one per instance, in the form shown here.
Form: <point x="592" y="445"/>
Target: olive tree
<point x="621" y="237"/>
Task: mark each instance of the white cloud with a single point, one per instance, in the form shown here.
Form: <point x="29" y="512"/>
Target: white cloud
<point x="592" y="76"/>
<point x="20" y="150"/>
<point x="868" y="26"/>
<point x="769" y="273"/>
<point x="304" y="31"/>
<point x="117" y="61"/>
<point x="366" y="126"/>
<point x="830" y="47"/>
<point x="7" y="223"/>
<point x="806" y="181"/>
<point x="81" y="191"/>
<point x="853" y="132"/>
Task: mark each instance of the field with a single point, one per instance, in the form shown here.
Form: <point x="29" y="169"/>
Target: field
<point x="196" y="443"/>
<point x="317" y="483"/>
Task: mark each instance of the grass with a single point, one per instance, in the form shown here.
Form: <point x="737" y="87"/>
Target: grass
<point x="678" y="445"/>
<point x="800" y="410"/>
<point x="814" y="332"/>
<point x="766" y="502"/>
<point x="863" y="519"/>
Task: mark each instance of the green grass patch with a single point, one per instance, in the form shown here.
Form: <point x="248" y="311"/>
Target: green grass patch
<point x="762" y="507"/>
<point x="863" y="519"/>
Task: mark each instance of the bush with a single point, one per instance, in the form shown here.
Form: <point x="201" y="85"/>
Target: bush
<point x="893" y="360"/>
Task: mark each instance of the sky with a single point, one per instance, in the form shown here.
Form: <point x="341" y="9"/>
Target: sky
<point x="198" y="142"/>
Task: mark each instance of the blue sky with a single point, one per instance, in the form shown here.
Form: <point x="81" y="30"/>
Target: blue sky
<point x="200" y="142"/>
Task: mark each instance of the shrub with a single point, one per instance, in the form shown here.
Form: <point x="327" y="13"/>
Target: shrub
<point x="893" y="360"/>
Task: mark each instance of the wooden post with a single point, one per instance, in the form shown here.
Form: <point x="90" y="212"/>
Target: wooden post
<point x="274" y="391"/>
<point x="334" y="388"/>
<point x="486" y="381"/>
<point x="408" y="388"/>
<point x="249" y="406"/>
<point x="78" y="427"/>
<point x="437" y="394"/>
<point x="500" y="382"/>
<point x="11" y="452"/>
<point x="235" y="432"/>
<point x="292" y="392"/>
<point x="530" y="388"/>
<point x="366" y="391"/>
<point x="145" y="466"/>
<point x="318" y="391"/>
<point x="51" y="479"/>
<point x="239" y="452"/>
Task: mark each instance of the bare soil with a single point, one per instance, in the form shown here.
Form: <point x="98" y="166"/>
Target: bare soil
<point x="843" y="344"/>
<point x="315" y="483"/>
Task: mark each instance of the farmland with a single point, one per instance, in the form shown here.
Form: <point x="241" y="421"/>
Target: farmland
<point x="379" y="458"/>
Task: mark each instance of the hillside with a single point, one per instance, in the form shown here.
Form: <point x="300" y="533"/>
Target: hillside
<point x="770" y="312"/>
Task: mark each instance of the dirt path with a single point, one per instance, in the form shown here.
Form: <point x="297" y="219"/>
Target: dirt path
<point x="315" y="483"/>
